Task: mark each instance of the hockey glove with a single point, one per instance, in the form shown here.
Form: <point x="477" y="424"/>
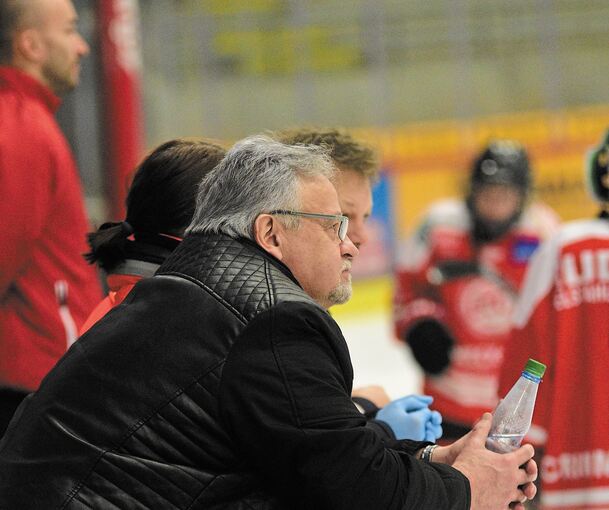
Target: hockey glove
<point x="431" y="345"/>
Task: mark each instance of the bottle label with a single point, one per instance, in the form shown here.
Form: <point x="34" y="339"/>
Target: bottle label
<point x="531" y="377"/>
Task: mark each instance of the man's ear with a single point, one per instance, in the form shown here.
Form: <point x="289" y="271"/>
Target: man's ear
<point x="29" y="46"/>
<point x="267" y="235"/>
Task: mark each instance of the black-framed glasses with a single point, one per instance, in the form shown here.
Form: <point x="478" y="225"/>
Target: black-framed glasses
<point x="343" y="221"/>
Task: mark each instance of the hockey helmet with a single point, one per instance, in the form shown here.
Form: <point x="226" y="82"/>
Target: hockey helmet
<point x="502" y="162"/>
<point x="597" y="171"/>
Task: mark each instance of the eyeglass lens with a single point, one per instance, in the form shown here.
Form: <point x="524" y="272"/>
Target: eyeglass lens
<point x="343" y="227"/>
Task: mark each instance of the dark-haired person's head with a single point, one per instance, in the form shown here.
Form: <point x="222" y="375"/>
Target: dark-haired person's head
<point x="161" y="200"/>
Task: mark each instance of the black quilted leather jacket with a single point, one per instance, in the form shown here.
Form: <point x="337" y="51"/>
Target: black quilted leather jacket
<point x="218" y="383"/>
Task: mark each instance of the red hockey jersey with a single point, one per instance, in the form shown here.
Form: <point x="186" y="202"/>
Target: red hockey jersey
<point x="562" y="319"/>
<point x="475" y="306"/>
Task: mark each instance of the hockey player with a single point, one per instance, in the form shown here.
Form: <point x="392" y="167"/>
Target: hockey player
<point x="562" y="318"/>
<point x="457" y="279"/>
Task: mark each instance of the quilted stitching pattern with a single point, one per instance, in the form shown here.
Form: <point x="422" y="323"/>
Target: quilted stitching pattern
<point x="234" y="272"/>
<point x="162" y="445"/>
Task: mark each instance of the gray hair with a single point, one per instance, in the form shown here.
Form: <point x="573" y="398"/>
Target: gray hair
<point x="257" y="175"/>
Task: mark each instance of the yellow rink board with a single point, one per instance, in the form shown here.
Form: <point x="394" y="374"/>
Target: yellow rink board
<point x="430" y="160"/>
<point x="370" y="297"/>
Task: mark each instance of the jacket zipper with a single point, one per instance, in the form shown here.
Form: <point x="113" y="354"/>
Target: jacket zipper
<point x="69" y="326"/>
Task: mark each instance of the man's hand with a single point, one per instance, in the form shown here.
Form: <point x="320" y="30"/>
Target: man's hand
<point x="410" y="418"/>
<point x="498" y="481"/>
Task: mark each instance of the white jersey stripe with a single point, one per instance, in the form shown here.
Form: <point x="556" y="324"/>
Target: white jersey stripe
<point x="581" y="497"/>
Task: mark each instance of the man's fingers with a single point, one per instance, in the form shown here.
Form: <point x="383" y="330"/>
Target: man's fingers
<point x="523" y="454"/>
<point x="482" y="427"/>
<point x="519" y="496"/>
<point x="436" y="418"/>
<point x="421" y="414"/>
<point x="524" y="477"/>
<point x="531" y="468"/>
<point x="529" y="490"/>
<point x="415" y="402"/>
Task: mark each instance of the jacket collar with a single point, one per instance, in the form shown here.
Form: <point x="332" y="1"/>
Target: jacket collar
<point x="135" y="267"/>
<point x="29" y="86"/>
<point x="235" y="271"/>
<point x="196" y="243"/>
<point x="273" y="260"/>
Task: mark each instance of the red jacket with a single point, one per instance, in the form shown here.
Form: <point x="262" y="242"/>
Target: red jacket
<point x="562" y="319"/>
<point x="475" y="308"/>
<point x="119" y="285"/>
<point x="46" y="287"/>
<point x="142" y="259"/>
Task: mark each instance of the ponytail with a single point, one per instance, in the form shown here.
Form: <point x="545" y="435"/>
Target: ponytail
<point x="108" y="244"/>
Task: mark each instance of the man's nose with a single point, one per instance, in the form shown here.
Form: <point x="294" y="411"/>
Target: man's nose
<point x="358" y="235"/>
<point x="83" y="46"/>
<point x="348" y="248"/>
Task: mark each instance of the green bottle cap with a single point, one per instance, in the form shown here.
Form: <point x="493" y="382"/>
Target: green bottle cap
<point x="535" y="368"/>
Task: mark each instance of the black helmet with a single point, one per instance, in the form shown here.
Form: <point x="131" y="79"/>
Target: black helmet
<point x="597" y="171"/>
<point x="502" y="162"/>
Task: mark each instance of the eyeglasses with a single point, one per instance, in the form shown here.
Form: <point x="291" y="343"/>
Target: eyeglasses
<point x="343" y="221"/>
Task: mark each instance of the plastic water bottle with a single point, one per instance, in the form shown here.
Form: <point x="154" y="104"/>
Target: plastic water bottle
<point x="512" y="416"/>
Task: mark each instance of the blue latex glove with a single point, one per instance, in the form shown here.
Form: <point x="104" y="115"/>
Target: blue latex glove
<point x="410" y="418"/>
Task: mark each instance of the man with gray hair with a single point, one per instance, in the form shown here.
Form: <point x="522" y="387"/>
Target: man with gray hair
<point x="222" y="382"/>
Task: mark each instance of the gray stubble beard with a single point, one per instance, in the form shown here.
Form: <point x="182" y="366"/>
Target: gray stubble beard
<point x="340" y="294"/>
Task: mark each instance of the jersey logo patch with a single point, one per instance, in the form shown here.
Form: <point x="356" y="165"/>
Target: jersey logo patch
<point x="523" y="248"/>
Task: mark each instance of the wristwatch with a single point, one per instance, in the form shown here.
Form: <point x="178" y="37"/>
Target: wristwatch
<point x="427" y="452"/>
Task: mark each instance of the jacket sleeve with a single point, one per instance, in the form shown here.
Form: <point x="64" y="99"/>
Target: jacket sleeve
<point x="418" y="310"/>
<point x="369" y="410"/>
<point x="285" y="398"/>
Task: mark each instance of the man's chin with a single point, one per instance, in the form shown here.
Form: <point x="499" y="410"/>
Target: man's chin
<point x="341" y="294"/>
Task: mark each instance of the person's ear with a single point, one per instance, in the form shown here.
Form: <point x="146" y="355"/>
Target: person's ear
<point x="267" y="234"/>
<point x="29" y="46"/>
